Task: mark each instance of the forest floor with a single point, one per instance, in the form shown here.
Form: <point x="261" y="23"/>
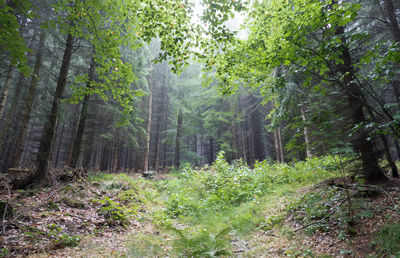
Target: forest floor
<point x="109" y="215"/>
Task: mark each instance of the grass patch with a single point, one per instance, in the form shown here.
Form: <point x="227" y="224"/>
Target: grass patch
<point x="205" y="202"/>
<point x="146" y="245"/>
<point x="387" y="241"/>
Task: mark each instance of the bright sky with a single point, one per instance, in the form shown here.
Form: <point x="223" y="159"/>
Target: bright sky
<point x="233" y="24"/>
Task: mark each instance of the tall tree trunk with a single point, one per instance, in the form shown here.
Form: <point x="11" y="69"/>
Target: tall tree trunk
<point x="26" y="114"/>
<point x="178" y="139"/>
<point x="277" y="148"/>
<point x="6" y="88"/>
<point x="243" y="140"/>
<point x="165" y="146"/>
<point x="149" y="118"/>
<point x="280" y="144"/>
<point x="361" y="143"/>
<point x="47" y="139"/>
<point x="75" y="120"/>
<point x="257" y="129"/>
<point x="82" y="119"/>
<point x="59" y="146"/>
<point x="211" y="151"/>
<point x="6" y="133"/>
<point x="397" y="146"/>
<point x="392" y="18"/>
<point x="161" y="126"/>
<point x="306" y="133"/>
<point x="392" y="164"/>
<point x="114" y="162"/>
<point x="233" y="132"/>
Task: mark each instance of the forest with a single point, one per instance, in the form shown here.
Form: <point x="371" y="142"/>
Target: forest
<point x="199" y="128"/>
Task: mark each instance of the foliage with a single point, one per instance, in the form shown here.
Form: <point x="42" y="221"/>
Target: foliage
<point x="120" y="210"/>
<point x="224" y="185"/>
<point x="67" y="240"/>
<point x="11" y="41"/>
<point x="3" y="252"/>
<point x="315" y="206"/>
<point x="387" y="240"/>
<point x="125" y="203"/>
<point x="202" y="243"/>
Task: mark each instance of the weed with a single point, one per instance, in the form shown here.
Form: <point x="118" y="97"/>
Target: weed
<point x="201" y="243"/>
<point x="225" y="185"/>
<point x="3" y="252"/>
<point x="53" y="205"/>
<point x="117" y="212"/>
<point x="67" y="240"/>
<point x="272" y="221"/>
<point x="387" y="240"/>
<point x="73" y="203"/>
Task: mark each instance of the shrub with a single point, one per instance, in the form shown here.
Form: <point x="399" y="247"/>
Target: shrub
<point x="224" y="185"/>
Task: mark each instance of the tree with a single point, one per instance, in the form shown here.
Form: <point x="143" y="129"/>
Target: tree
<point x="313" y="38"/>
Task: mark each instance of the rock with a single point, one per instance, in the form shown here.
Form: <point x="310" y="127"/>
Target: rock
<point x="149" y="174"/>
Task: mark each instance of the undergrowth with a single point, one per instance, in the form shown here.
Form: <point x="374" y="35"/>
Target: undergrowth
<point x="205" y="207"/>
<point x="225" y="185"/>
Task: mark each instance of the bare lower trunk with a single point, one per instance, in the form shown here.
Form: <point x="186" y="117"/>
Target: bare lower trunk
<point x="280" y="144"/>
<point x="114" y="166"/>
<point x="361" y="142"/>
<point x="21" y="135"/>
<point x="211" y="152"/>
<point x="6" y="89"/>
<point x="306" y="133"/>
<point x="178" y="139"/>
<point x="276" y="144"/>
<point x="47" y="139"/>
<point x="82" y="120"/>
<point x="148" y="130"/>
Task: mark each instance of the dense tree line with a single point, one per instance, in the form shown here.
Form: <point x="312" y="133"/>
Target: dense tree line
<point x="113" y="85"/>
<point x="81" y="89"/>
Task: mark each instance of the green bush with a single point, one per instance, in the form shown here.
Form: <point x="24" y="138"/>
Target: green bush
<point x="224" y="185"/>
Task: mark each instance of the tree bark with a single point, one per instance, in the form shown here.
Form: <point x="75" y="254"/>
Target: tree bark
<point x="47" y="140"/>
<point x="82" y="119"/>
<point x="257" y="129"/>
<point x="21" y="135"/>
<point x="114" y="162"/>
<point x="178" y="139"/>
<point x="280" y="145"/>
<point x="149" y="120"/>
<point x="211" y="152"/>
<point x="277" y="152"/>
<point x="306" y="133"/>
<point x="6" y="134"/>
<point x="6" y="88"/>
<point x="361" y="143"/>
<point x="389" y="158"/>
<point x="163" y="112"/>
<point x="56" y="162"/>
<point x="392" y="18"/>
